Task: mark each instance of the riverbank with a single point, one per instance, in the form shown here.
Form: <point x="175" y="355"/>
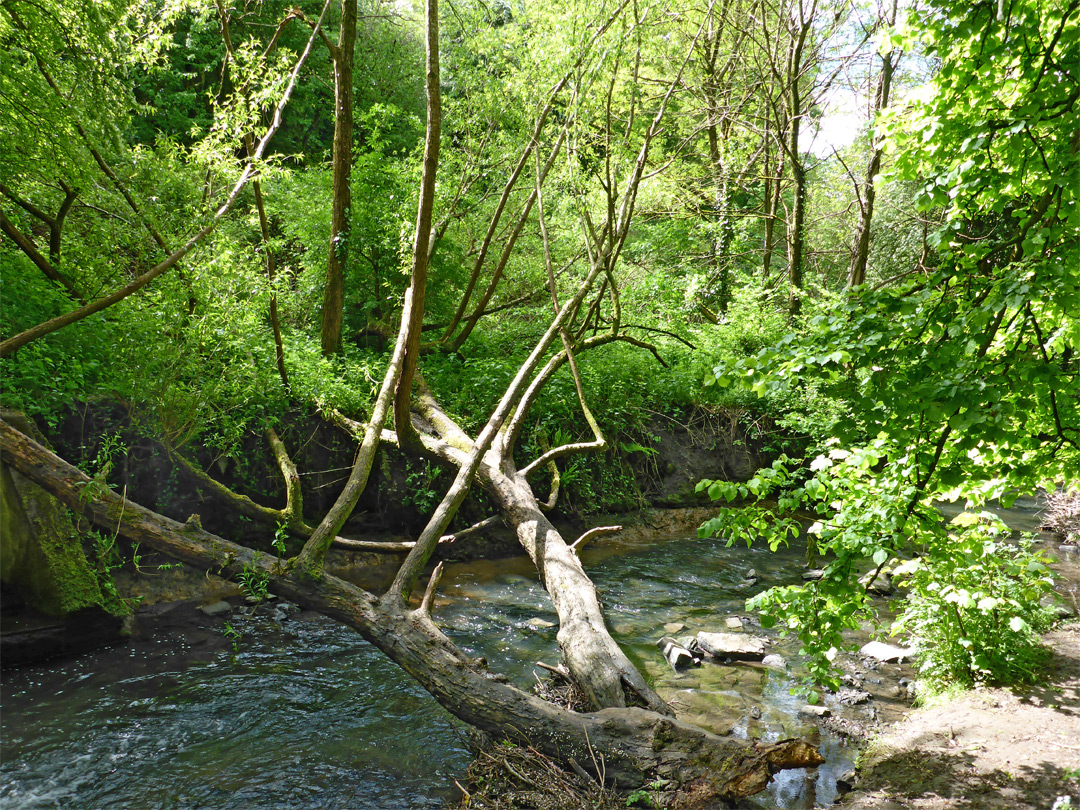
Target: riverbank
<point x="985" y="749"/>
<point x="204" y="660"/>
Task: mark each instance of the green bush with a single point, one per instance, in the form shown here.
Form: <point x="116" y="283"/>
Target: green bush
<point x="977" y="612"/>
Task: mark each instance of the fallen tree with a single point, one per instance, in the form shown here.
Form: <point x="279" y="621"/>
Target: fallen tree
<point x="630" y="730"/>
<point x="632" y="744"/>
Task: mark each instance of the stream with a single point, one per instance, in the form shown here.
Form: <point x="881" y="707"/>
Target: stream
<point x="304" y="714"/>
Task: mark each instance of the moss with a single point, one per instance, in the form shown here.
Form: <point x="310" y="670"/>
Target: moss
<point x="43" y="555"/>
<point x="76" y="582"/>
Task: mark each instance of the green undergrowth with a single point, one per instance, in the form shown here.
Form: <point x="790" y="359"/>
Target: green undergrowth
<point x="206" y="379"/>
<point x="978" y="612"/>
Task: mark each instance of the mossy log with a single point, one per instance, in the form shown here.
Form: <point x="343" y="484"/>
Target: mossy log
<point x="41" y="551"/>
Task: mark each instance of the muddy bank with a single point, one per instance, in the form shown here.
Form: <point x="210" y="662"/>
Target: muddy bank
<point x="1016" y="748"/>
<point x="985" y="749"/>
<point x="682" y="450"/>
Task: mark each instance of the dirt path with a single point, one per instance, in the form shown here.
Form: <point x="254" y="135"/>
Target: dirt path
<point x="988" y="749"/>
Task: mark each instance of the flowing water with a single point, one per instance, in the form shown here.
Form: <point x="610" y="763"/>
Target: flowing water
<point x="305" y="714"/>
<point x="696" y="583"/>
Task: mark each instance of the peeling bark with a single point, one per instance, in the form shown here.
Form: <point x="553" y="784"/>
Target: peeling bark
<point x="597" y="664"/>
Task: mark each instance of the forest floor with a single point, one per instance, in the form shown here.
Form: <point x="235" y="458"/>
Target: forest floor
<point x="985" y="749"/>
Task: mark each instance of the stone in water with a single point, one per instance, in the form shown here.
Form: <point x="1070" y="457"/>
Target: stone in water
<point x="216" y="608"/>
<point x="886" y="652"/>
<point x="676" y="654"/>
<point x="731" y="645"/>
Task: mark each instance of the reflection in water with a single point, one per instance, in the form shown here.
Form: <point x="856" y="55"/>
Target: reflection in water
<point x="307" y="715"/>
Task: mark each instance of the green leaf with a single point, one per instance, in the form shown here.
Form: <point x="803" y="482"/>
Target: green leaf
<point x="1018" y="625"/>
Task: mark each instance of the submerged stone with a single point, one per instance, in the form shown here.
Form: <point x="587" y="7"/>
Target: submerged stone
<point x="676" y="654"/>
<point x="219" y="608"/>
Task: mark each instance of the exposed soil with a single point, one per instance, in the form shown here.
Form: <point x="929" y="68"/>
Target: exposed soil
<point x="730" y="445"/>
<point x="989" y="748"/>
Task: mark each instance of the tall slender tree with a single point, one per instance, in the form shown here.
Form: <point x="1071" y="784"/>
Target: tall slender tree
<point x="342" y="54"/>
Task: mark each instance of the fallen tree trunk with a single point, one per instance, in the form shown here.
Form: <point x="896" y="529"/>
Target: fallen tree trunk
<point x="598" y="664"/>
<point x="630" y="745"/>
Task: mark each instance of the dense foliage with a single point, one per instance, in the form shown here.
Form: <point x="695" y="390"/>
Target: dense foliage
<point x="962" y="380"/>
<point x="951" y="374"/>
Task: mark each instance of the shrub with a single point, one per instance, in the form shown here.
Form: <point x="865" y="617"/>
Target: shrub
<point x="977" y="611"/>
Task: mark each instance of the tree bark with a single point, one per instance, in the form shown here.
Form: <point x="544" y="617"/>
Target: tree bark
<point x="797" y="227"/>
<point x="857" y="274"/>
<point x="334" y="292"/>
<point x="412" y="316"/>
<point x="598" y="664"/>
<point x="771" y="202"/>
<point x="633" y="744"/>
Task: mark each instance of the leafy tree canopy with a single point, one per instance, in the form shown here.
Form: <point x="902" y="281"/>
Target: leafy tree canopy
<point x="961" y="382"/>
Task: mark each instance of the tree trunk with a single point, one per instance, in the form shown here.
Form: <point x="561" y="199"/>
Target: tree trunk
<point x="334" y="292"/>
<point x="797" y="226"/>
<point x="412" y="316"/>
<point x="720" y="290"/>
<point x="633" y="744"/>
<point x="857" y="274"/>
<point x="772" y="208"/>
<point x="314" y="551"/>
<point x="797" y="235"/>
<point x="597" y="663"/>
